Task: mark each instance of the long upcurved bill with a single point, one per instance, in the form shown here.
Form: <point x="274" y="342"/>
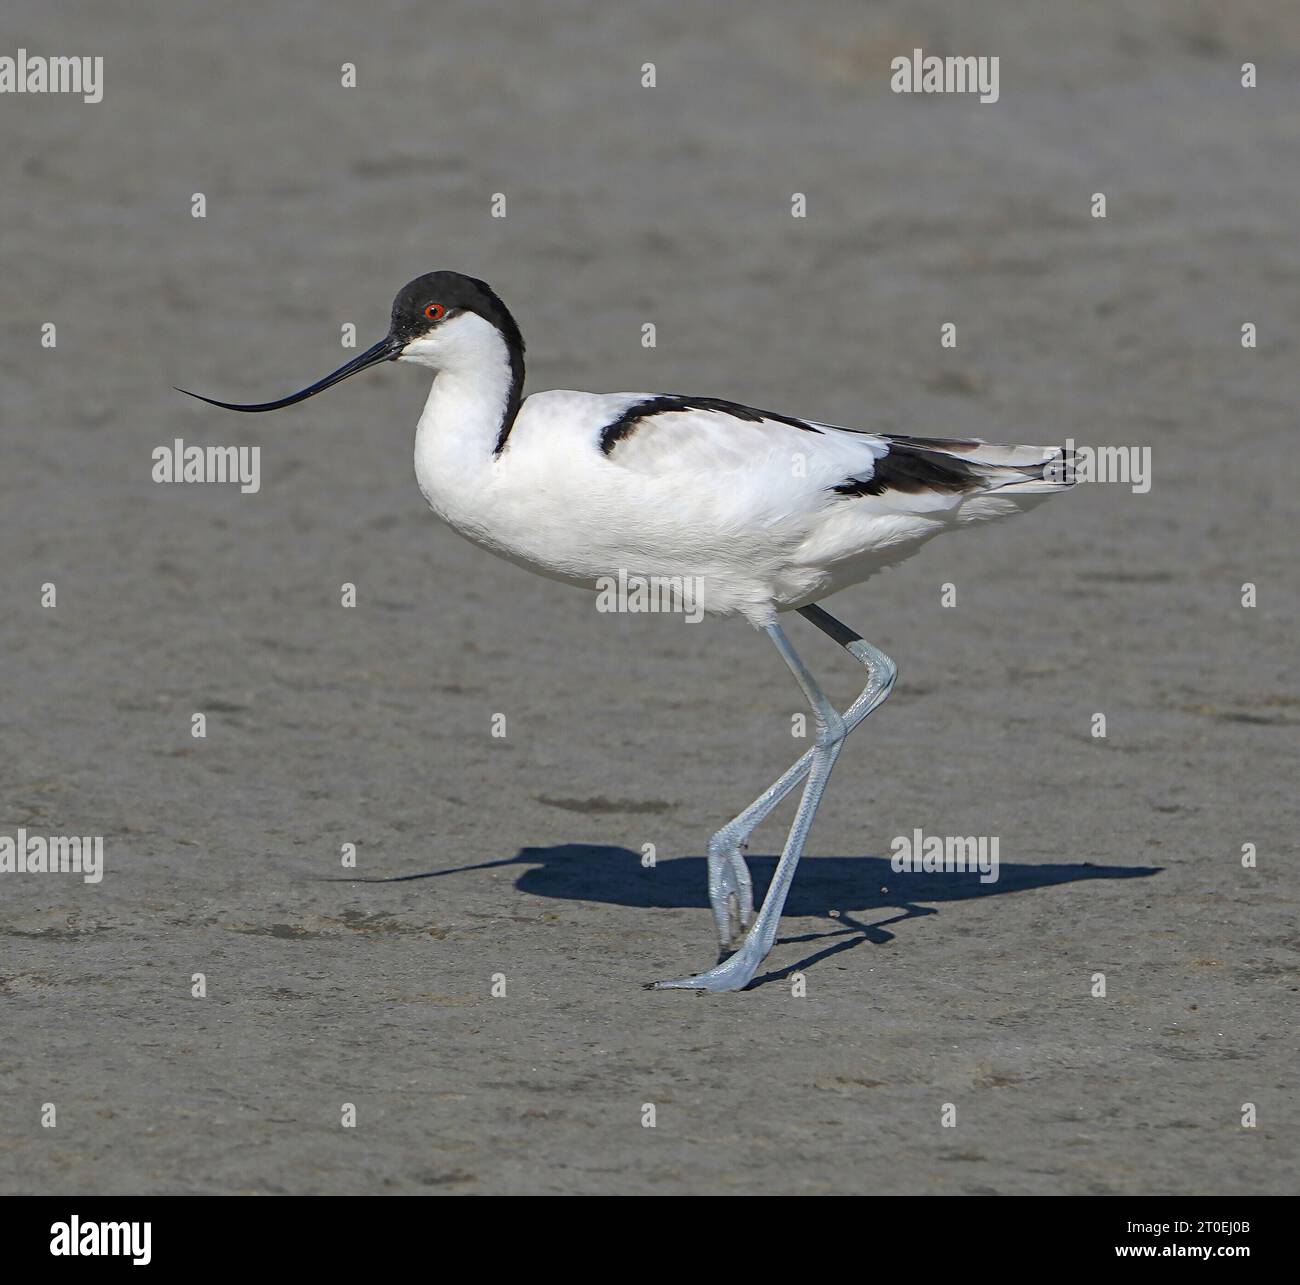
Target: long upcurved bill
<point x="387" y="349"/>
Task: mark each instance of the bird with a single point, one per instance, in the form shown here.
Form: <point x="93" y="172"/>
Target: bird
<point x="767" y="512"/>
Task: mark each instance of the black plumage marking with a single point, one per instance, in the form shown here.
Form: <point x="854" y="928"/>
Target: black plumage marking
<point x="458" y="293"/>
<point x="909" y="469"/>
<point x="665" y="403"/>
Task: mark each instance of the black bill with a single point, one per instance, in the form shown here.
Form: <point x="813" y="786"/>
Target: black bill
<point x="387" y="349"/>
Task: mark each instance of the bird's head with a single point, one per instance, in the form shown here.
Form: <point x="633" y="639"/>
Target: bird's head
<point x="443" y="320"/>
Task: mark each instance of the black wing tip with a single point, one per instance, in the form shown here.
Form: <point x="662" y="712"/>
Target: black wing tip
<point x="912" y="470"/>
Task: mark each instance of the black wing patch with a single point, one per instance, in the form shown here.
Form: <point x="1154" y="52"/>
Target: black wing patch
<point x="912" y="470"/>
<point x="632" y="418"/>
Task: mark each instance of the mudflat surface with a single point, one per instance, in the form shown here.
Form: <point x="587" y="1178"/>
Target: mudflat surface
<point x="372" y="726"/>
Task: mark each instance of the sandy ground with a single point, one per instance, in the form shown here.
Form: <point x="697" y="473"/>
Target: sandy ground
<point x="372" y="726"/>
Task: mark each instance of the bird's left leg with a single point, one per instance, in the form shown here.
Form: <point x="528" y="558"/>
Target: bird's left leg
<point x="730" y="886"/>
<point x="738" y="970"/>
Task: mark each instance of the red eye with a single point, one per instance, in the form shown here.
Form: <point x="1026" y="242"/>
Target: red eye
<point x="435" y="312"/>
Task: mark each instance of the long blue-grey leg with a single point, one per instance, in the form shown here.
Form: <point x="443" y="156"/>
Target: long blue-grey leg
<point x="731" y="889"/>
<point x="738" y="971"/>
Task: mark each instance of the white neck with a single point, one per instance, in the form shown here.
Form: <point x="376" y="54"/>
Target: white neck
<point x="471" y="395"/>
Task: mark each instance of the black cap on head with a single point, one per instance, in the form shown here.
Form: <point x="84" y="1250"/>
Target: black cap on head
<point x="454" y="292"/>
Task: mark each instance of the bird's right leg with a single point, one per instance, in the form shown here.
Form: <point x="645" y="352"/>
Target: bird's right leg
<point x="731" y="888"/>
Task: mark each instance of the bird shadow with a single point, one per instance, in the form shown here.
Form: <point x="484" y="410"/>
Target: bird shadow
<point x="842" y="890"/>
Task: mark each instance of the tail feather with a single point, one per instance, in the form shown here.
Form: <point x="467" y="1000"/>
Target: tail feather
<point x="975" y="450"/>
<point x="969" y="480"/>
<point x="947" y="468"/>
<point x="1018" y="468"/>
